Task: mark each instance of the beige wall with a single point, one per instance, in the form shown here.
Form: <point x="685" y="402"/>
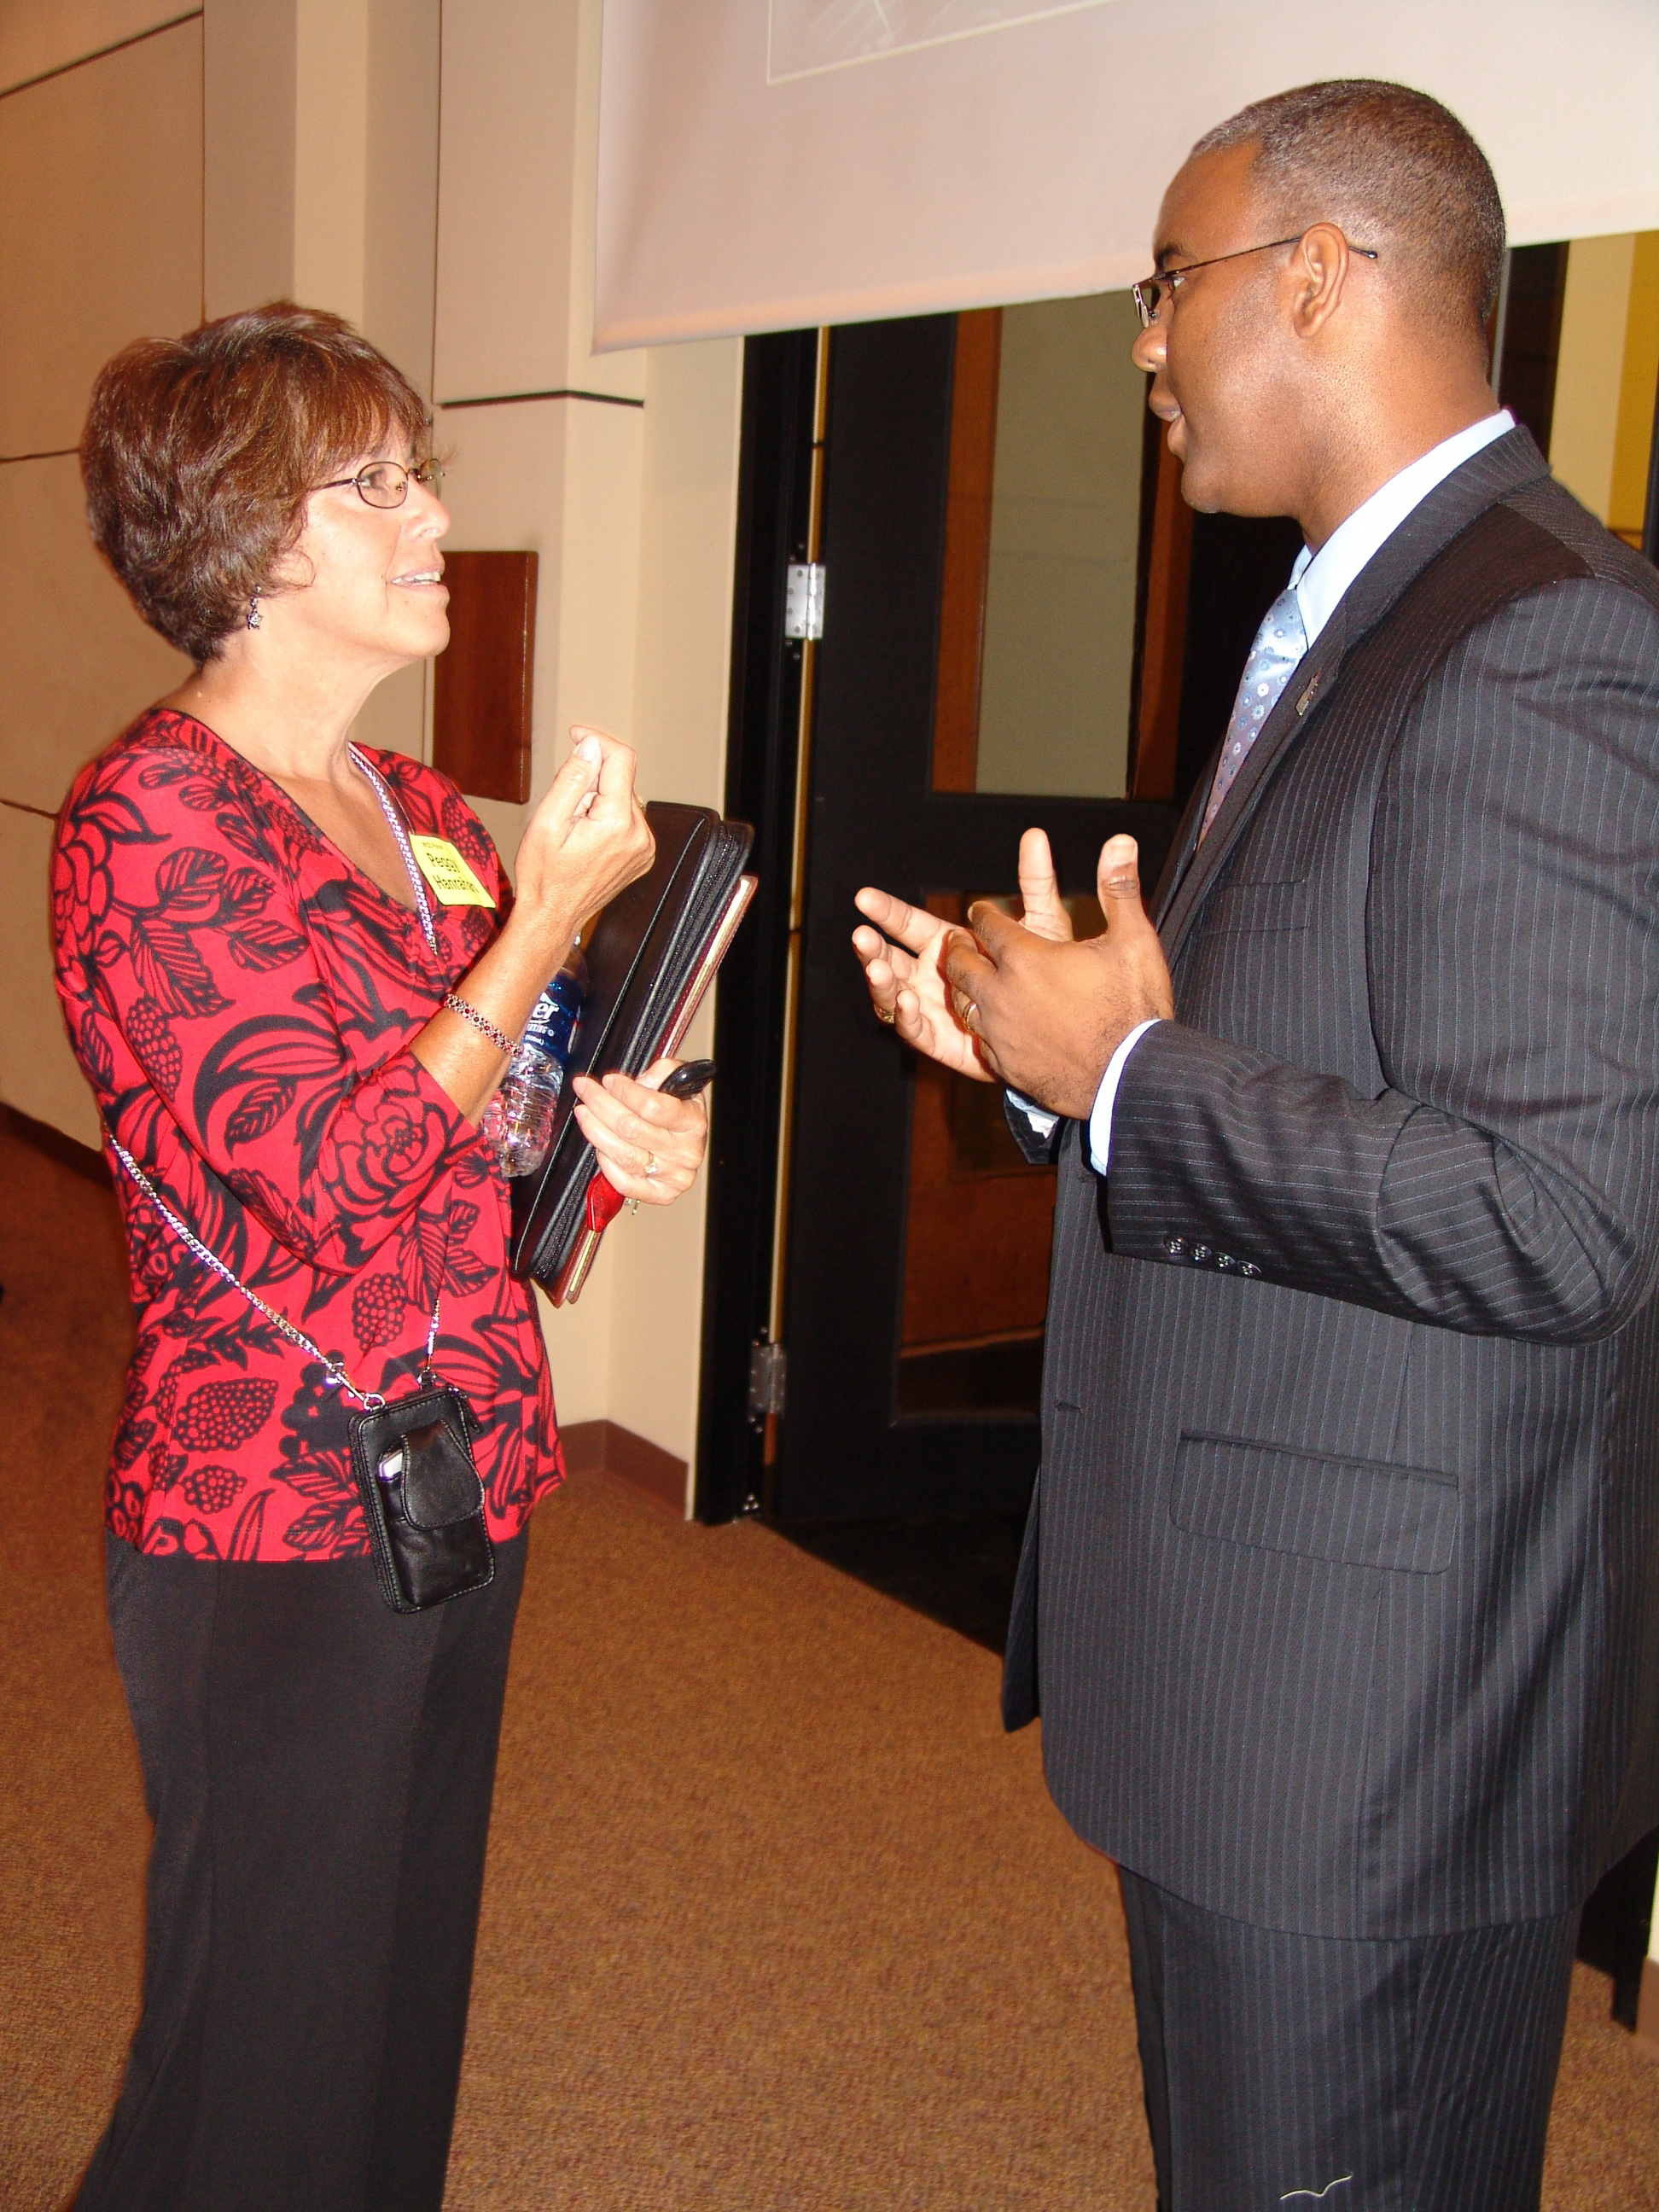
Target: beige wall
<point x="427" y="170"/>
<point x="39" y="36"/>
<point x="1059" y="601"/>
<point x="1590" y="366"/>
<point x="1633" y="438"/>
<point x="1606" y="369"/>
<point x="631" y="507"/>
<point x="98" y="241"/>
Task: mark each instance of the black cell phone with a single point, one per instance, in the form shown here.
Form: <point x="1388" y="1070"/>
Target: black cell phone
<point x="686" y="1082"/>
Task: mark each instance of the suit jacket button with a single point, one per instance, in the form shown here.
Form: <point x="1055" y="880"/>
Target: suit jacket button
<point x="1251" y="1271"/>
<point x="1175" y="1247"/>
<point x="1225" y="1260"/>
<point x="1201" y="1253"/>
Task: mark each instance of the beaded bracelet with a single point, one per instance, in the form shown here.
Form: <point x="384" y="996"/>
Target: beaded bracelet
<point x="481" y="1022"/>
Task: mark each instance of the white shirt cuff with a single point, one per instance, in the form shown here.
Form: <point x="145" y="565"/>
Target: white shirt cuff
<point x="1100" y="1121"/>
<point x="1100" y="1118"/>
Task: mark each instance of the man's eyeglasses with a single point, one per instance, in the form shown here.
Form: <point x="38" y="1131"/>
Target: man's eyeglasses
<point x="1152" y="291"/>
<point x="386" y="484"/>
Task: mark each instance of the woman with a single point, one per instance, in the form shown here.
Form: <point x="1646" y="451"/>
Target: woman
<point x="292" y="1038"/>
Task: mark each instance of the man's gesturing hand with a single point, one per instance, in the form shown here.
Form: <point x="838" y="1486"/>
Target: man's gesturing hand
<point x="1049" y="1016"/>
<point x="906" y="986"/>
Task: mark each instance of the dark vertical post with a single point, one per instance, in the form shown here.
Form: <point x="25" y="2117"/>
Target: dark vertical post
<point x="773" y="492"/>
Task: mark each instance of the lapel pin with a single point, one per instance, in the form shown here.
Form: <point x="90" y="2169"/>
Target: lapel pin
<point x="1306" y="700"/>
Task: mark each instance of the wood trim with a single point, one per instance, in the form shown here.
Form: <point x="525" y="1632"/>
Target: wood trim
<point x="557" y="392"/>
<point x="1163" y="638"/>
<point x="607" y="1448"/>
<point x="68" y="1151"/>
<point x="485" y="683"/>
<point x="967" y="549"/>
<point x="1647" y="2008"/>
<point x="100" y="53"/>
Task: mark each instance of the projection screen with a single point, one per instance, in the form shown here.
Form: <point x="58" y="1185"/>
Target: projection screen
<point x="772" y="164"/>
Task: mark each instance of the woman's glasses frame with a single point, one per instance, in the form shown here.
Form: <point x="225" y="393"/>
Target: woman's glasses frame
<point x="1151" y="291"/>
<point x="394" y="490"/>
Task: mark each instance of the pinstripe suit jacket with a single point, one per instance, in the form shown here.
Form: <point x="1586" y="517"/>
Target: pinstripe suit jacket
<point x="1342" y="1584"/>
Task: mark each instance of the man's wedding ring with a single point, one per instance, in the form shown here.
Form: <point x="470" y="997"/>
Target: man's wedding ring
<point x="883" y="1013"/>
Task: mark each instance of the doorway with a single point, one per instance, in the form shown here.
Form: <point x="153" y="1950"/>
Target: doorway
<point x="1022" y="623"/>
<point x="978" y="489"/>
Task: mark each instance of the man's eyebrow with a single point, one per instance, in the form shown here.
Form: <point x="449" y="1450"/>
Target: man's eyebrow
<point x="1167" y="253"/>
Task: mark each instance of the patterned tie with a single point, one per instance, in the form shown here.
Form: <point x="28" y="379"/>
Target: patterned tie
<point x="1280" y="644"/>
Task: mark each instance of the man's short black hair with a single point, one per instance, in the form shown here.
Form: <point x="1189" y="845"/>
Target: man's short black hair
<point x="1395" y="168"/>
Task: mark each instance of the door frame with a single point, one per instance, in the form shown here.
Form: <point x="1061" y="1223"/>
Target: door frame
<point x="770" y="700"/>
<point x="749" y="1203"/>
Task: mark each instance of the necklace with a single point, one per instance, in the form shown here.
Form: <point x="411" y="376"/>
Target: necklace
<point x="395" y="823"/>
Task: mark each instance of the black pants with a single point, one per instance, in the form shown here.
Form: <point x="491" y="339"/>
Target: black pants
<point x="319" y="1770"/>
<point x="1299" y="2071"/>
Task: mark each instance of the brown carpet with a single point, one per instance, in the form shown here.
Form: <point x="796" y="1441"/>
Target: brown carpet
<point x="776" y="1915"/>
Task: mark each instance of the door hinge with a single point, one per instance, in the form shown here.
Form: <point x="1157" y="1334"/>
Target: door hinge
<point x="803" y="599"/>
<point x="766" y="1365"/>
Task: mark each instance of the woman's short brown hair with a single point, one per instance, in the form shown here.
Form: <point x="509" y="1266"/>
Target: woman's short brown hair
<point x="199" y="453"/>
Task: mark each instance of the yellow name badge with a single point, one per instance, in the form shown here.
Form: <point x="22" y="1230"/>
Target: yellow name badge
<point x="448" y="873"/>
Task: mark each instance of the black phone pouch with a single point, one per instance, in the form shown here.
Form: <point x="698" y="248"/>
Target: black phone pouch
<point x="423" y="1499"/>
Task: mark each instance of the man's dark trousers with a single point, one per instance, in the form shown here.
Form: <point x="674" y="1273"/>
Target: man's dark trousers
<point x="1340" y="1587"/>
<point x="1406" y="2076"/>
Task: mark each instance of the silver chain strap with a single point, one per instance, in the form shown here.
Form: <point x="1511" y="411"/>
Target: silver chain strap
<point x="334" y="1369"/>
<point x="398" y="831"/>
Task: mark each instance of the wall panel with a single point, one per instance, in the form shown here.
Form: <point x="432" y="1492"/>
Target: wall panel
<point x="514" y="283"/>
<point x="1589" y="365"/>
<point x="37" y="36"/>
<point x="38" y="1072"/>
<point x="682" y="655"/>
<point x="504" y="195"/>
<point x="100" y="226"/>
<point x="75" y="662"/>
<point x="400" y="215"/>
<point x="509" y="488"/>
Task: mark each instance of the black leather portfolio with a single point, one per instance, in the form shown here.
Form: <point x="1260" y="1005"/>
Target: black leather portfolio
<point x="651" y="956"/>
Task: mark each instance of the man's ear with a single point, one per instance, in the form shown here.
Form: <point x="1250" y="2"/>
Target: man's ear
<point x="1320" y="269"/>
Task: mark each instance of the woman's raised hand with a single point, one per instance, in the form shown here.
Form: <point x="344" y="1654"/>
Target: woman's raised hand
<point x="586" y="840"/>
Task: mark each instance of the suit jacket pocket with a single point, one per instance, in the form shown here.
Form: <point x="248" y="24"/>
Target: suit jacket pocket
<point x="1260" y="906"/>
<point x="1361" y="1513"/>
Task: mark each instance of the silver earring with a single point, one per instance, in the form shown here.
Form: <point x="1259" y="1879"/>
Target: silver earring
<point x="254" y="618"/>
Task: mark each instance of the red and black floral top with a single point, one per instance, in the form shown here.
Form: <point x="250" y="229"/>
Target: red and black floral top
<point x="241" y="998"/>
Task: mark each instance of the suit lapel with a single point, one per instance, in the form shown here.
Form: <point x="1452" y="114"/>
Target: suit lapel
<point x="1497" y="470"/>
<point x="1179" y="857"/>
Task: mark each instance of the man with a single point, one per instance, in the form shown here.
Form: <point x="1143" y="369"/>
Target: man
<point x="1340" y="1582"/>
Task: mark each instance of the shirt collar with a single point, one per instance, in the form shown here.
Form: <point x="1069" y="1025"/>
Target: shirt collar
<point x="1320" y="580"/>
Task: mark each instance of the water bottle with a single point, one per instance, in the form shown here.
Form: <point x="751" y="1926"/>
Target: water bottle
<point x="519" y="1119"/>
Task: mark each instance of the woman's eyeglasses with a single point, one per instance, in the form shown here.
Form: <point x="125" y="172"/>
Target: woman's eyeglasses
<point x="386" y="484"/>
<point x="1152" y="291"/>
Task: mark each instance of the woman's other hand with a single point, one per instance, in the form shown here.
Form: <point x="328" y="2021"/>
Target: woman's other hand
<point x="649" y="1146"/>
<point x="586" y="840"/>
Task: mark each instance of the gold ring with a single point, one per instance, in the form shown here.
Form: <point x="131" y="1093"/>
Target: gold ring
<point x="884" y="1014"/>
<point x="650" y="1167"/>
